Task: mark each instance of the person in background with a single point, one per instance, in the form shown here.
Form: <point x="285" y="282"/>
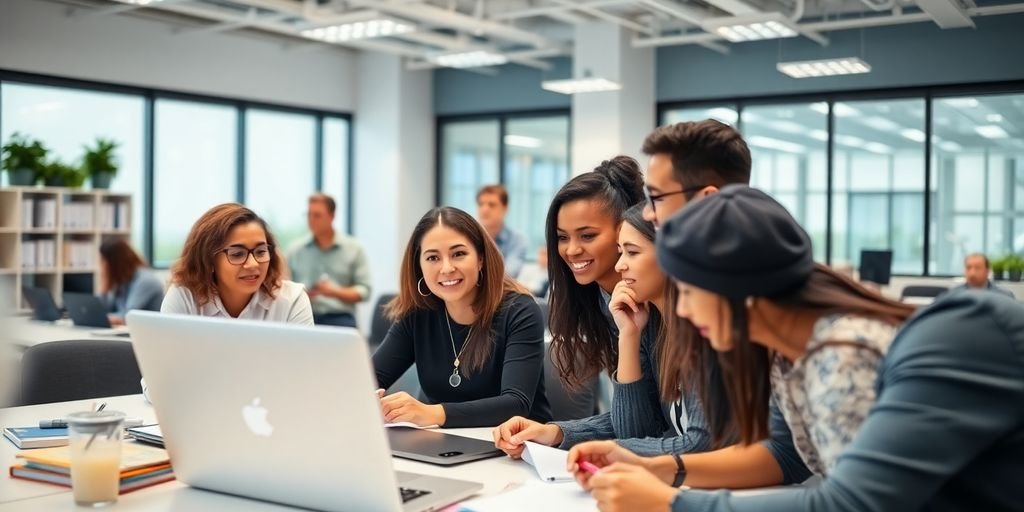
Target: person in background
<point x="475" y="335"/>
<point x="535" y="277"/>
<point x="976" y="271"/>
<point x="332" y="266"/>
<point x="923" y="425"/>
<point x="125" y="281"/>
<point x="491" y="209"/>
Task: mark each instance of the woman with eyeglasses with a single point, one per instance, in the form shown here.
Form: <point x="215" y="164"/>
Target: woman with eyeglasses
<point x="475" y="335"/>
<point x="229" y="268"/>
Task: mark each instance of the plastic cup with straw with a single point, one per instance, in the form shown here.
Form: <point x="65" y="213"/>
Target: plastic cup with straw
<point x="95" y="442"/>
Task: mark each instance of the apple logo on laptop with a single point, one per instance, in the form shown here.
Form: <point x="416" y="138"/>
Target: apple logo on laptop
<point x="255" y="416"/>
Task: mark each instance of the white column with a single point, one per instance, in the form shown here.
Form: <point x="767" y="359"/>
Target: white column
<point x="611" y="123"/>
<point x="394" y="160"/>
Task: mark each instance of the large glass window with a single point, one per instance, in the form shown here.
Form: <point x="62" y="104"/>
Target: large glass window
<point x="195" y="168"/>
<point x="469" y="160"/>
<point x="878" y="188"/>
<point x="65" y="120"/>
<point x="727" y="114"/>
<point x="788" y="147"/>
<point x="280" y="173"/>
<point x="536" y="166"/>
<point x="336" y="167"/>
<point x="977" y="179"/>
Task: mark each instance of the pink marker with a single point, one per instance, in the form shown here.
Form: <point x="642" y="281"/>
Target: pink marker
<point x="588" y="467"/>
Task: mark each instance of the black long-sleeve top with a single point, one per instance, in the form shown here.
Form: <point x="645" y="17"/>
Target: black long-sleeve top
<point x="510" y="383"/>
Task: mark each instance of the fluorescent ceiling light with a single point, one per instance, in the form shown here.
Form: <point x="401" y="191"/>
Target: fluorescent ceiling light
<point x="523" y="141"/>
<point x="913" y="134"/>
<point x="821" y="135"/>
<point x="961" y="102"/>
<point x="877" y="147"/>
<point x="580" y="85"/>
<point x="368" y="29"/>
<point x="840" y="109"/>
<point x="950" y="146"/>
<point x="881" y="124"/>
<point x="725" y="115"/>
<point x="994" y="118"/>
<point x="772" y="143"/>
<point x="850" y="140"/>
<point x="823" y="67"/>
<point x="472" y="59"/>
<point x="991" y="131"/>
<point x="755" y="27"/>
<point x="787" y="127"/>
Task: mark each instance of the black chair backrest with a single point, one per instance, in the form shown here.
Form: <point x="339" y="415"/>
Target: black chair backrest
<point x="380" y="323"/>
<point x="923" y="291"/>
<point x="60" y="371"/>
<point x="566" y="405"/>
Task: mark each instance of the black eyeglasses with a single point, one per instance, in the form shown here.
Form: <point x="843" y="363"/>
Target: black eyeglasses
<point x="653" y="198"/>
<point x="238" y="255"/>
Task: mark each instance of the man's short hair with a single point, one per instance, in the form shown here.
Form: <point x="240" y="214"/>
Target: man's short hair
<point x="977" y="255"/>
<point x="494" y="189"/>
<point x="703" y="153"/>
<point x="328" y="201"/>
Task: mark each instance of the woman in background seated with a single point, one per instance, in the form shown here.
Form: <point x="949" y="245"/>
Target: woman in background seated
<point x="229" y="268"/>
<point x="475" y="335"/>
<point x="125" y="282"/>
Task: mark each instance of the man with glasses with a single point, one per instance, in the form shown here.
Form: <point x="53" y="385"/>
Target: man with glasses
<point x="689" y="161"/>
<point x="331" y="265"/>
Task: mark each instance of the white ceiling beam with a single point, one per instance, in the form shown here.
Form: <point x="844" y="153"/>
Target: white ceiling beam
<point x="946" y="13"/>
<point x="517" y="57"/>
<point x="682" y="12"/>
<point x="549" y="10"/>
<point x="456" y="44"/>
<point x="251" y="19"/>
<point x="599" y="14"/>
<point x="113" y="9"/>
<point x="734" y="7"/>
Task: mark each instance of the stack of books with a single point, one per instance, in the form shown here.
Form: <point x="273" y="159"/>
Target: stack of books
<point x="141" y="466"/>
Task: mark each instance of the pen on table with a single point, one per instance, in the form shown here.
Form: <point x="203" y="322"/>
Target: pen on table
<point x="62" y="423"/>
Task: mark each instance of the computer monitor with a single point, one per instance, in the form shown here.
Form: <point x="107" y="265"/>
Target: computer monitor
<point x="875" y="266"/>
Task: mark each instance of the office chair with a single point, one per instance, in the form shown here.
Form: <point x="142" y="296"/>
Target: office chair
<point x="923" y="291"/>
<point x="380" y="323"/>
<point x="565" y="404"/>
<point x="60" y="371"/>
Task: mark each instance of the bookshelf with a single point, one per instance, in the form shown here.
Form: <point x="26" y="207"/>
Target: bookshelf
<point x="50" y="237"/>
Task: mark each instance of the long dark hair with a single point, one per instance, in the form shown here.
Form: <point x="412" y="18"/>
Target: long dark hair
<point x="494" y="286"/>
<point x="745" y="368"/>
<point x="122" y="262"/>
<point x="582" y="343"/>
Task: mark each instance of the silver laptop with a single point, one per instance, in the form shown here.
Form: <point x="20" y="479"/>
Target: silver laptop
<point x="276" y="412"/>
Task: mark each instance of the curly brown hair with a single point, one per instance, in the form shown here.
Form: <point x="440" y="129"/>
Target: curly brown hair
<point x="195" y="270"/>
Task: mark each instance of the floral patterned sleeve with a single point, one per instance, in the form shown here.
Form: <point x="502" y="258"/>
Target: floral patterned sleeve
<point x="840" y="387"/>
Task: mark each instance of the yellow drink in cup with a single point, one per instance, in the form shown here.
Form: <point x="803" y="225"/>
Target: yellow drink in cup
<point x="95" y="442"/>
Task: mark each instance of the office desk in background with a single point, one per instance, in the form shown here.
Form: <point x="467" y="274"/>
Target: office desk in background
<point x="25" y="332"/>
<point x="22" y="495"/>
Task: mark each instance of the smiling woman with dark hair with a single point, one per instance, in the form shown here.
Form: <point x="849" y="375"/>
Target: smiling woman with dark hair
<point x="475" y="335"/>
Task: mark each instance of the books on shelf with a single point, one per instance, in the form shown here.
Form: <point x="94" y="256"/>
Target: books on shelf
<point x="28" y="213"/>
<point x="79" y="255"/>
<point x="141" y="466"/>
<point x="45" y="214"/>
<point x="114" y="215"/>
<point x="77" y="215"/>
<point x="35" y="437"/>
<point x="38" y="254"/>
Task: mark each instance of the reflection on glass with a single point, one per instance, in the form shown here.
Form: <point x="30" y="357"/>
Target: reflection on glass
<point x="469" y="160"/>
<point x="878" y="181"/>
<point x="978" y="180"/>
<point x="725" y="114"/>
<point x="195" y="166"/>
<point x="335" y="167"/>
<point x="280" y="153"/>
<point x="789" y="159"/>
<point x="65" y="120"/>
<point x="536" y="166"/>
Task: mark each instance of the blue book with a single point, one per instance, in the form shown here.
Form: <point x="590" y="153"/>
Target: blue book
<point x="35" y="437"/>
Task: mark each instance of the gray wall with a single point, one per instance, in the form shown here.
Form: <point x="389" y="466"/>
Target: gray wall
<point x="514" y="88"/>
<point x="915" y="54"/>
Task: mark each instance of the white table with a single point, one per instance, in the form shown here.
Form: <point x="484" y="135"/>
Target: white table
<point x="25" y="332"/>
<point x="22" y="495"/>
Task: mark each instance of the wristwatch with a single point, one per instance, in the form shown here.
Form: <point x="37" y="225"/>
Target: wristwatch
<point x="680" y="471"/>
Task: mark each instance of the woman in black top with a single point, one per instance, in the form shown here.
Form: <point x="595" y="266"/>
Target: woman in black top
<point x="475" y="335"/>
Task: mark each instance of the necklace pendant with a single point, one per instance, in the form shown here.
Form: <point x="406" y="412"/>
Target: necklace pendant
<point x="456" y="363"/>
<point x="455" y="379"/>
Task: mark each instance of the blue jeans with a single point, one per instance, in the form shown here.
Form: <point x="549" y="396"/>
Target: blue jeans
<point x="335" y="319"/>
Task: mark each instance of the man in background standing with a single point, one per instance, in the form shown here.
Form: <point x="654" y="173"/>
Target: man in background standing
<point x="331" y="265"/>
<point x="976" y="270"/>
<point x="491" y="208"/>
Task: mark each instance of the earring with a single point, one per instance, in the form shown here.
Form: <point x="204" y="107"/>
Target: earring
<point x="479" y="277"/>
<point x="750" y="302"/>
<point x="418" y="283"/>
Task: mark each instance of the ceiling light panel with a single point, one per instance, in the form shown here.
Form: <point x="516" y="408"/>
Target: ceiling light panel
<point x="756" y="27"/>
<point x="823" y="67"/>
<point x="580" y="85"/>
<point x="472" y="59"/>
<point x="353" y="31"/>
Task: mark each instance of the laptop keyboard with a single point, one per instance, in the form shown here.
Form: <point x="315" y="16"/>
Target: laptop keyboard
<point x="411" y="494"/>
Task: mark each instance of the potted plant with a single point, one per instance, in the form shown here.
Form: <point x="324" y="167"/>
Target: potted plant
<point x="60" y="174"/>
<point x="99" y="162"/>
<point x="999" y="268"/>
<point x="1015" y="267"/>
<point x="23" y="159"/>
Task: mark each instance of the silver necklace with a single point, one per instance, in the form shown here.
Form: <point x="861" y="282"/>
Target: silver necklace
<point x="455" y="379"/>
